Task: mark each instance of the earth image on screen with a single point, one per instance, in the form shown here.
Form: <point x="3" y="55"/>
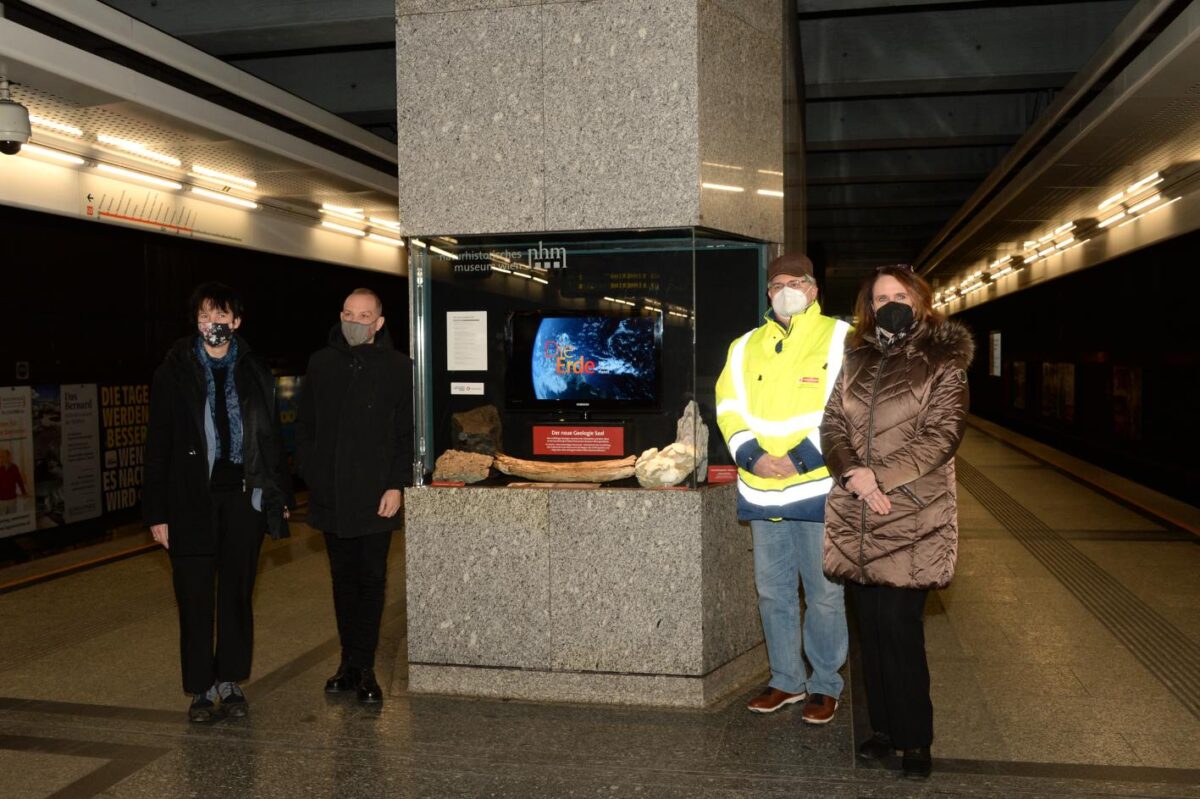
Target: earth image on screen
<point x="623" y="351"/>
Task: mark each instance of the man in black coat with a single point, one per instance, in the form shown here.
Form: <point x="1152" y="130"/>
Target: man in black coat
<point x="354" y="449"/>
<point x="216" y="478"/>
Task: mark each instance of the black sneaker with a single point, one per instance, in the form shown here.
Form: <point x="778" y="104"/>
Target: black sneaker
<point x="917" y="763"/>
<point x="345" y="679"/>
<point x="369" y="691"/>
<point x="877" y="747"/>
<point x="202" y="709"/>
<point x="233" y="700"/>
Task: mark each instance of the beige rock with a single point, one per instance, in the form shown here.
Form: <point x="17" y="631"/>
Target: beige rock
<point x="571" y="472"/>
<point x="691" y="430"/>
<point x="464" y="467"/>
<point x="669" y="466"/>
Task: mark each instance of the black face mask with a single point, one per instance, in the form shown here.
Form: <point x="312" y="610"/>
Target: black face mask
<point x="894" y="318"/>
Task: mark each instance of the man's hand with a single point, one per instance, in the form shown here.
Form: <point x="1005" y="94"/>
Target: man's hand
<point x="862" y="482"/>
<point x="390" y="502"/>
<point x="159" y="531"/>
<point x="775" y="466"/>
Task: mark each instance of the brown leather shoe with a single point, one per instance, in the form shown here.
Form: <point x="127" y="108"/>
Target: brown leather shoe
<point x="772" y="699"/>
<point x="819" y="709"/>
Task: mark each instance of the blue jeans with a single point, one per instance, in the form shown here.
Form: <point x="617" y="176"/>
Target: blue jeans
<point x="786" y="553"/>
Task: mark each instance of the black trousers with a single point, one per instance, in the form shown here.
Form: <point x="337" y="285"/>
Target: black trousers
<point x="224" y="581"/>
<point x="359" y="569"/>
<point x="896" y="672"/>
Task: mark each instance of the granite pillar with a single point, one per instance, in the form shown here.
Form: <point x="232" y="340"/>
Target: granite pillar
<point x="590" y="115"/>
<point x="608" y="595"/>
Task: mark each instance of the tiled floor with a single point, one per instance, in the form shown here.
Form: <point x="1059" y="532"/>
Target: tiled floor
<point x="1035" y="695"/>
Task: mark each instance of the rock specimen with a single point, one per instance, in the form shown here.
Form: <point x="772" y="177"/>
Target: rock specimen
<point x="666" y="467"/>
<point x="477" y="430"/>
<point x="691" y="430"/>
<point x="462" y="467"/>
<point x="573" y="472"/>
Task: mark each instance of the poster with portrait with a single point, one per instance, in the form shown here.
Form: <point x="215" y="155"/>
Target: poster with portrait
<point x="1127" y="402"/>
<point x="17" y="510"/>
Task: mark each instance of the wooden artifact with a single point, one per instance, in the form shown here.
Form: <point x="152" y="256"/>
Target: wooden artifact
<point x="572" y="472"/>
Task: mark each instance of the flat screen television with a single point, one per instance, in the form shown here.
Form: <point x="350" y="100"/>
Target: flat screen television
<point x="560" y="360"/>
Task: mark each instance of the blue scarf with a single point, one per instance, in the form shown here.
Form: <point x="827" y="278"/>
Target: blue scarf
<point x="231" y="397"/>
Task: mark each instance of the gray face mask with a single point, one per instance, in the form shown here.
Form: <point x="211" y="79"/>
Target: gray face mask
<point x="357" y="333"/>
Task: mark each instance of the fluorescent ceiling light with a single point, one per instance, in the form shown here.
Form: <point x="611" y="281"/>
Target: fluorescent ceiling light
<point x="1110" y="200"/>
<point x="542" y="280"/>
<point x="722" y="166"/>
<point x="1146" y="203"/>
<point x="131" y="175"/>
<point x="442" y="252"/>
<point x="137" y="149"/>
<point x="1046" y="251"/>
<point x="502" y="270"/>
<point x="387" y="223"/>
<point x="1111" y="219"/>
<point x="341" y="209"/>
<point x="721" y="187"/>
<point x="770" y="172"/>
<point x="342" y="228"/>
<point x="385" y="239"/>
<point x="522" y="274"/>
<point x="55" y="155"/>
<point x="212" y="174"/>
<point x="770" y="193"/>
<point x="57" y="127"/>
<point x="225" y="198"/>
<point x="343" y="215"/>
<point x="1045" y="238"/>
<point x="419" y="243"/>
<point x="609" y="299"/>
<point x="1149" y="180"/>
<point x="1064" y="228"/>
<point x="1062" y="245"/>
<point x="1032" y="258"/>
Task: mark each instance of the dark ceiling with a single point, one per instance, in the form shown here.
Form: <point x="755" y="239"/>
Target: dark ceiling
<point x="909" y="104"/>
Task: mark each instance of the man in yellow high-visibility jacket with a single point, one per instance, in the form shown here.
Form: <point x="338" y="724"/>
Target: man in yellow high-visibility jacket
<point x="770" y="399"/>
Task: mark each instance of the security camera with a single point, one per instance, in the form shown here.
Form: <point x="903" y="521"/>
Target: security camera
<point x="14" y="122"/>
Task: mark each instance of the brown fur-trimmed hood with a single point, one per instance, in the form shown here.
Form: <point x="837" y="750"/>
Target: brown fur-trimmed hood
<point x="949" y="340"/>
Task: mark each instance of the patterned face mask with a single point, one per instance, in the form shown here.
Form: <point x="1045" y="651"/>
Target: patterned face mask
<point x="216" y="334"/>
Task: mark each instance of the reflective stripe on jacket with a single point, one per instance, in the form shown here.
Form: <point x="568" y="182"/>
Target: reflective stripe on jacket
<point x="770" y="399"/>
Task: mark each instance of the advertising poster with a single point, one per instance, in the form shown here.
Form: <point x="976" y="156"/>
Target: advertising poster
<point x="125" y="414"/>
<point x="17" y="512"/>
<point x="47" y="457"/>
<point x="287" y="396"/>
<point x="80" y="451"/>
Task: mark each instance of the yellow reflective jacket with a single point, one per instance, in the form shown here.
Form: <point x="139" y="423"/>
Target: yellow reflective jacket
<point x="770" y="399"/>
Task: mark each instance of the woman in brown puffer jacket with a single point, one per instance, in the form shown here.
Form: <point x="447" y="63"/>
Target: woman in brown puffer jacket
<point x="893" y="423"/>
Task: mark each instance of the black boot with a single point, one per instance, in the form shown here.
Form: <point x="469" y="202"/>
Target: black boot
<point x="917" y="763"/>
<point x="369" y="691"/>
<point x="877" y="747"/>
<point x="346" y="679"/>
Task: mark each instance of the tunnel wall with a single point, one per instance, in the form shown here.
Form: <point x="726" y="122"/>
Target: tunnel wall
<point x="88" y="302"/>
<point x="1103" y="364"/>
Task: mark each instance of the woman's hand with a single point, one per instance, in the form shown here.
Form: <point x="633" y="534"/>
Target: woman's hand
<point x="861" y="482"/>
<point x="159" y="531"/>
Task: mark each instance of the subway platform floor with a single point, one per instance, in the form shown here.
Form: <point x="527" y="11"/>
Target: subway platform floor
<point x="1065" y="661"/>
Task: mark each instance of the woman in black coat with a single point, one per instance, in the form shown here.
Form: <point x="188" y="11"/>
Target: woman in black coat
<point x="216" y="479"/>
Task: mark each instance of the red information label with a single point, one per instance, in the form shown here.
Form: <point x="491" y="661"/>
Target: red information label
<point x="721" y="474"/>
<point x="578" y="440"/>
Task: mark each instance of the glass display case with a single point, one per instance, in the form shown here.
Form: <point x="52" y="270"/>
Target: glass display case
<point x="557" y="353"/>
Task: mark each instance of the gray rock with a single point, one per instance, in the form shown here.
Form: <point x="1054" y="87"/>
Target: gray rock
<point x="691" y="430"/>
<point x="478" y="430"/>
